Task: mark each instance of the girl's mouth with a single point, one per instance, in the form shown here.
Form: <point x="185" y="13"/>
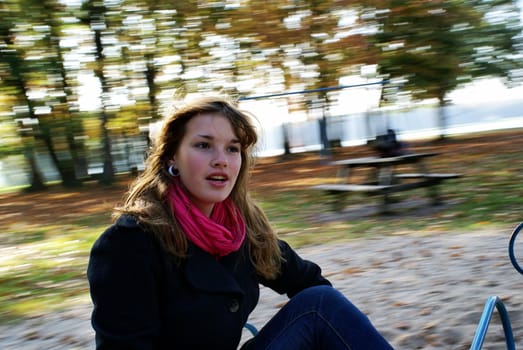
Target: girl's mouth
<point x="217" y="178"/>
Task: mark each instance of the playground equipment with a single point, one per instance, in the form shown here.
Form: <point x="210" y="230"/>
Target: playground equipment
<point x="494" y="303"/>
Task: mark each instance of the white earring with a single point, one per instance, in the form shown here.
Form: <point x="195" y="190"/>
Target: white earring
<point x="173" y="171"/>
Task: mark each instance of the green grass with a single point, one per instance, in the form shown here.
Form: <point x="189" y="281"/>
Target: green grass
<point x="43" y="268"/>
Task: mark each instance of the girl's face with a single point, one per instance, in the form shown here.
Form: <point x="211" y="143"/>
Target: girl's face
<point x="208" y="160"/>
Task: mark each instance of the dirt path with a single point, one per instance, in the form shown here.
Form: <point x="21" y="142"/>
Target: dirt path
<point x="421" y="291"/>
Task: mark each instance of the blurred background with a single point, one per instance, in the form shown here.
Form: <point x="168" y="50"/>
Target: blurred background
<point x="85" y="84"/>
<point x="82" y="84"/>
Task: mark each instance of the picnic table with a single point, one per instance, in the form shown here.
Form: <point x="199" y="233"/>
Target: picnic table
<point x="386" y="177"/>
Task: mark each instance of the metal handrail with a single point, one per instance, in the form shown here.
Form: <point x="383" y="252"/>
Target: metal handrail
<point x="511" y="244"/>
<point x="251" y="328"/>
<point x="493" y="302"/>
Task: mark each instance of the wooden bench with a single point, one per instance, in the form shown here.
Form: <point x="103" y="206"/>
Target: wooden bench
<point x="430" y="181"/>
<point x="352" y="188"/>
<point x="427" y="176"/>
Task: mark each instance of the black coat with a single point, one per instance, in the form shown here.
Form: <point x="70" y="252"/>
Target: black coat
<point x="144" y="300"/>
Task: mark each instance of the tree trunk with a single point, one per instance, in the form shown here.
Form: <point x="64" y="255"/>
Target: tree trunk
<point x="36" y="179"/>
<point x="64" y="166"/>
<point x="62" y="110"/>
<point x="442" y="118"/>
<point x="286" y="142"/>
<point x="97" y="17"/>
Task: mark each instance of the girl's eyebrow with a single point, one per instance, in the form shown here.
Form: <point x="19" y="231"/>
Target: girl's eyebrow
<point x="209" y="137"/>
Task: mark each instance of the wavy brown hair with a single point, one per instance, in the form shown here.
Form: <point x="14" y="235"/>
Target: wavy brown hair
<point x="146" y="198"/>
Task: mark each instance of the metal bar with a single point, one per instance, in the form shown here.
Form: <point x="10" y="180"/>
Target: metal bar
<point x="339" y="87"/>
<point x="251" y="328"/>
<point x="493" y="302"/>
<point x="511" y="253"/>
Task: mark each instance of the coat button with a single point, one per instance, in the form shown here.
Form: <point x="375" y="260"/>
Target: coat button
<point x="234" y="306"/>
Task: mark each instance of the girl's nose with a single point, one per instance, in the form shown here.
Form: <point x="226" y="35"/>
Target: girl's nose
<point x="220" y="159"/>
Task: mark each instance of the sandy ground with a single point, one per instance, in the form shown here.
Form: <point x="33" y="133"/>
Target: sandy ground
<point x="421" y="292"/>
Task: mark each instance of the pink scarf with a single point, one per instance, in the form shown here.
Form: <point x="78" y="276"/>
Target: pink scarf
<point x="220" y="234"/>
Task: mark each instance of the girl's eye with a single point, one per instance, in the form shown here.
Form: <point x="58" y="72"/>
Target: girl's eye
<point x="234" y="149"/>
<point x="202" y="145"/>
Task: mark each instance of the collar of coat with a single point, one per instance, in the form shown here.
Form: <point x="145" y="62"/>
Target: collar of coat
<point x="203" y="271"/>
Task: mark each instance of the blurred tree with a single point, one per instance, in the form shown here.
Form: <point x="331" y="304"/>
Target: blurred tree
<point x="161" y="44"/>
<point x="95" y="16"/>
<point x="254" y="54"/>
<point x="297" y="41"/>
<point x="144" y="53"/>
<point x="429" y="48"/>
<point x="13" y="75"/>
<point x="59" y="129"/>
<point x="10" y="142"/>
<point x="35" y="71"/>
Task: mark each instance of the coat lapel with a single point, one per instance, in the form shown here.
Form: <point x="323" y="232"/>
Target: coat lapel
<point x="206" y="273"/>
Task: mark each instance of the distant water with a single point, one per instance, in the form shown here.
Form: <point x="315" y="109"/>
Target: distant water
<point x="416" y="124"/>
<point x="350" y="130"/>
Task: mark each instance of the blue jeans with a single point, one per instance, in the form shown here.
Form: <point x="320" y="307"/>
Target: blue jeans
<point x="318" y="318"/>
